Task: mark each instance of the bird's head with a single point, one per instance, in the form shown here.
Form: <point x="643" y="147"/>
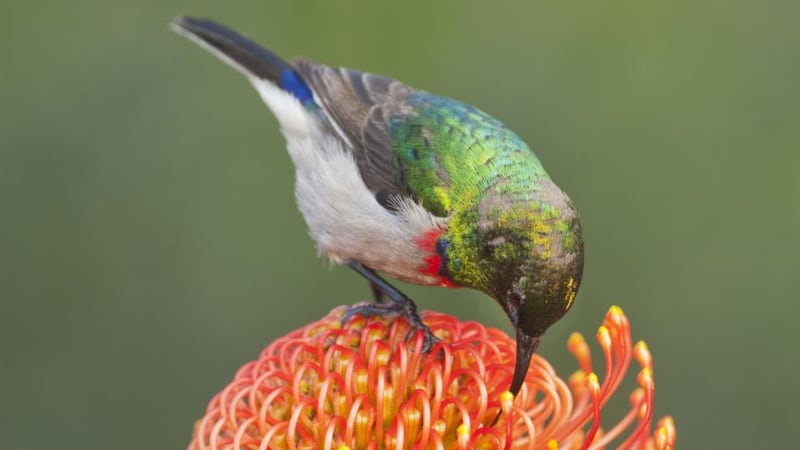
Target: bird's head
<point x="526" y="252"/>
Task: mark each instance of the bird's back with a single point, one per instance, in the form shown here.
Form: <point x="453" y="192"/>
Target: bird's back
<point x="451" y="154"/>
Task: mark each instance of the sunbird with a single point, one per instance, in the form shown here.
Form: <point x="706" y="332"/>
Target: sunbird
<point x="419" y="187"/>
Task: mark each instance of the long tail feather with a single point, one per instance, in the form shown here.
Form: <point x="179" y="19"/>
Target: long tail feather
<point x="244" y="54"/>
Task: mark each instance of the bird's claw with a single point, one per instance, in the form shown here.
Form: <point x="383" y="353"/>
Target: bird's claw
<point x="392" y="309"/>
<point x="371" y="310"/>
<point x="429" y="340"/>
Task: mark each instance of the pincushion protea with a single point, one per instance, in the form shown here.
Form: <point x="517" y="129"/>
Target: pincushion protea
<point x="367" y="385"/>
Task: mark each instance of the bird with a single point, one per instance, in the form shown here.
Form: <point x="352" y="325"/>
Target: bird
<point x="396" y="181"/>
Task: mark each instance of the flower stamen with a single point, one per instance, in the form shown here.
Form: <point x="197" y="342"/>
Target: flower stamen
<point x="361" y="385"/>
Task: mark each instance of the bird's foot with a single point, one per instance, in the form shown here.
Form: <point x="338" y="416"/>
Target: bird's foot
<point x="394" y="309"/>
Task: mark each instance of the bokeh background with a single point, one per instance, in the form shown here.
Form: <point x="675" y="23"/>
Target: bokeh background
<point x="149" y="242"/>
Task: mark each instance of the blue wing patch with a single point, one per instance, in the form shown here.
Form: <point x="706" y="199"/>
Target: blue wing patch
<point x="292" y="83"/>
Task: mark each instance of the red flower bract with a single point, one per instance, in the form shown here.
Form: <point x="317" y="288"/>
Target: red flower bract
<point x="367" y="385"/>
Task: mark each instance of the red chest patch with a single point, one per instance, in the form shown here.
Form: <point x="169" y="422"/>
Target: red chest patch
<point x="434" y="263"/>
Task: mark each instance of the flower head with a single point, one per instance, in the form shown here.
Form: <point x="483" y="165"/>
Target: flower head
<point x="367" y="385"/>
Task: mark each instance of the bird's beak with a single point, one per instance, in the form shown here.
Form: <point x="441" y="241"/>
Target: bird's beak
<point x="526" y="345"/>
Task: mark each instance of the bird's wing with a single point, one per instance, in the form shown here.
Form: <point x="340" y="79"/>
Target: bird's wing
<point x="409" y="143"/>
<point x="359" y="107"/>
<point x="373" y="114"/>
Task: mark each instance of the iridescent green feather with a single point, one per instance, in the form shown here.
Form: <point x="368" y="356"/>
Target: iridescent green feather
<point x="462" y="163"/>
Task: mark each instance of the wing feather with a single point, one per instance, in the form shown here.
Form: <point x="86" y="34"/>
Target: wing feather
<point x="359" y="106"/>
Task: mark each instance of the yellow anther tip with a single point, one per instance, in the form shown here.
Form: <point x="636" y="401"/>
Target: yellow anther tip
<point x="506" y="397"/>
<point x="616" y="318"/>
<point x="594" y="382"/>
<point x="439" y="427"/>
<point x="575" y="339"/>
<point x="642" y="354"/>
<point x="552" y="444"/>
<point x="463" y="435"/>
<point x="604" y="337"/>
<point x="645" y="378"/>
<point x="343" y="447"/>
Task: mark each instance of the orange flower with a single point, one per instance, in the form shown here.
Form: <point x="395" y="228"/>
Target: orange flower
<point x="366" y="385"/>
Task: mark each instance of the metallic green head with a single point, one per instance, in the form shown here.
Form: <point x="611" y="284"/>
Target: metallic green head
<point x="528" y="257"/>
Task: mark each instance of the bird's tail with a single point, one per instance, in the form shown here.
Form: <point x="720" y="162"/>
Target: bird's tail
<point x="253" y="60"/>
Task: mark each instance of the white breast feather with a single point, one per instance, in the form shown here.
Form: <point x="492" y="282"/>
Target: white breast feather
<point x="343" y="216"/>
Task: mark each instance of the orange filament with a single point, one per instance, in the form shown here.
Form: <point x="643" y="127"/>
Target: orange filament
<point x="362" y="385"/>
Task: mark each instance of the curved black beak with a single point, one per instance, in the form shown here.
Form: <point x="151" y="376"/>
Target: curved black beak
<point x="526" y="345"/>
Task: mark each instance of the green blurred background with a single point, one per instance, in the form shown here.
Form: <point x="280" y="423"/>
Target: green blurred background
<point x="150" y="243"/>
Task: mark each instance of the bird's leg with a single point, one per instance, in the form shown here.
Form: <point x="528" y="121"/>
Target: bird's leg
<point x="400" y="304"/>
<point x="377" y="293"/>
